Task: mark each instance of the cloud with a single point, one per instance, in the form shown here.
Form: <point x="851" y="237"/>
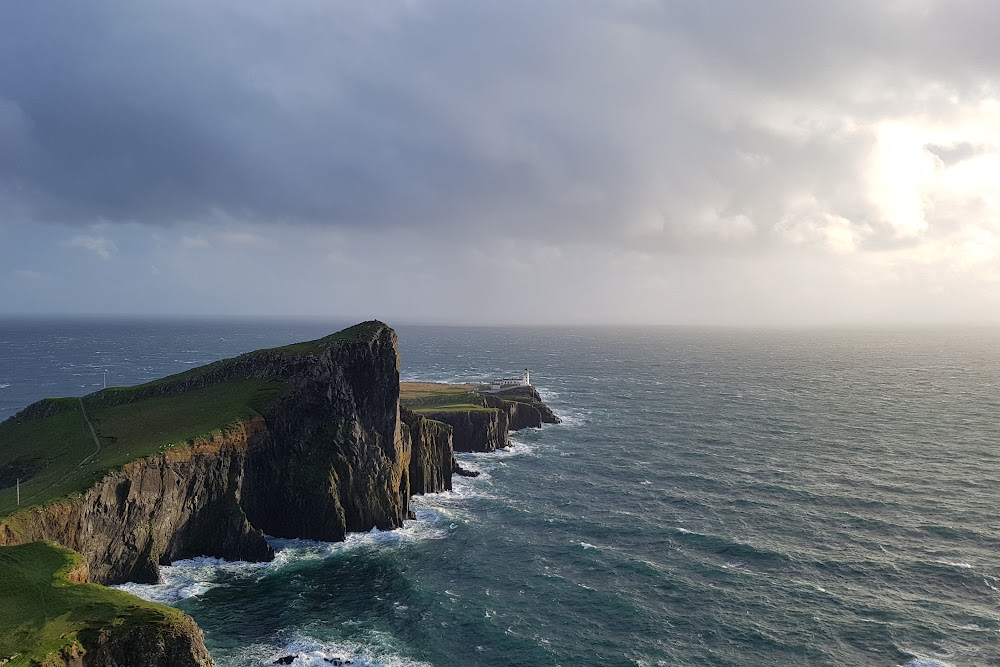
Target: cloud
<point x="363" y="117"/>
<point x="779" y="133"/>
<point x="100" y="246"/>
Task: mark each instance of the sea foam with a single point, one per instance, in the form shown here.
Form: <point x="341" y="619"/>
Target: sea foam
<point x="192" y="577"/>
<point x="309" y="652"/>
<point x="928" y="662"/>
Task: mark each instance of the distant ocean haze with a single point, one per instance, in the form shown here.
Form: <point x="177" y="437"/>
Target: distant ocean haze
<point x="713" y="497"/>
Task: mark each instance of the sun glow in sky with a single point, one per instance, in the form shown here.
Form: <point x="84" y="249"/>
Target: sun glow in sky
<point x="717" y="162"/>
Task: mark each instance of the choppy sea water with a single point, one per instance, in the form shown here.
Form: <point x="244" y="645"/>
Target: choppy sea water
<point x="714" y="497"/>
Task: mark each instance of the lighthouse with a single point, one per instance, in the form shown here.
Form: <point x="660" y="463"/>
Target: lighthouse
<point x="527" y="378"/>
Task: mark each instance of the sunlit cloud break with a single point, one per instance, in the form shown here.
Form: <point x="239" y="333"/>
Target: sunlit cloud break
<point x="715" y="162"/>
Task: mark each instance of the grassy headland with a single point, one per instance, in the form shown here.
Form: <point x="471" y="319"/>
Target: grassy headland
<point x="56" y="455"/>
<point x="43" y="613"/>
<point x="437" y="397"/>
<point x="52" y="451"/>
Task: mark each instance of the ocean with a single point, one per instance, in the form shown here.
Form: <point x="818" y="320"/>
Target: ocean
<point x="713" y="497"/>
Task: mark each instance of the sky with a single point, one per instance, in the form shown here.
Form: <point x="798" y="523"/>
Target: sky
<point x="767" y="163"/>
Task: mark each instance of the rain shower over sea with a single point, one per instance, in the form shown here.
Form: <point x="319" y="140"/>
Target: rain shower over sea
<point x="714" y="497"/>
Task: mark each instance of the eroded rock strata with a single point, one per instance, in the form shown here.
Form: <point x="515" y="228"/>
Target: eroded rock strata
<point x="431" y="453"/>
<point x="487" y="429"/>
<point x="331" y="455"/>
<point x="482" y="430"/>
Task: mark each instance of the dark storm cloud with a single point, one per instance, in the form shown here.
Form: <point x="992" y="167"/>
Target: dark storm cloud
<point x="637" y="122"/>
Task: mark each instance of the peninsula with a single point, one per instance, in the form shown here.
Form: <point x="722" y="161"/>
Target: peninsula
<point x="307" y="440"/>
<point x="481" y="418"/>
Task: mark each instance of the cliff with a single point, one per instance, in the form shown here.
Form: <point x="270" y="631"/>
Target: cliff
<point x="301" y="441"/>
<point x="525" y="406"/>
<point x="178" y="504"/>
<point x="480" y="421"/>
<point x="44" y="589"/>
<point x="431" y="453"/>
<point x="480" y="430"/>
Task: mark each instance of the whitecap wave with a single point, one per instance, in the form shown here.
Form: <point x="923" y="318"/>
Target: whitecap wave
<point x="293" y="550"/>
<point x="516" y="449"/>
<point x="4" y="385"/>
<point x="547" y="393"/>
<point x="309" y="652"/>
<point x="570" y="416"/>
<point x="961" y="566"/>
<point x="192" y="577"/>
<point x="928" y="662"/>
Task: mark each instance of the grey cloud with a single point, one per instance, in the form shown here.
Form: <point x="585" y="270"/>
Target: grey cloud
<point x="547" y="119"/>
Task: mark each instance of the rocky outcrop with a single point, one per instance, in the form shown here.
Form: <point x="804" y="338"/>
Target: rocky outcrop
<point x="519" y="415"/>
<point x="457" y="469"/>
<point x="486" y="430"/>
<point x="179" y="644"/>
<point x="56" y="618"/>
<point x="431" y="453"/>
<point x="330" y="456"/>
<point x="482" y="430"/>
<point x="527" y="397"/>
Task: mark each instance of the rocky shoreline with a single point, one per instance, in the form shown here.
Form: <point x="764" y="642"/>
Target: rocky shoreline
<point x="487" y="425"/>
<point x="333" y="453"/>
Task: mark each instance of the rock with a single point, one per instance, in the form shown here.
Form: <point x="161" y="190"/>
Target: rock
<point x="528" y="396"/>
<point x="430" y="453"/>
<point x="475" y="430"/>
<point x="150" y="645"/>
<point x="486" y="430"/>
<point x="332" y="456"/>
<point x="459" y="470"/>
<point x="286" y="660"/>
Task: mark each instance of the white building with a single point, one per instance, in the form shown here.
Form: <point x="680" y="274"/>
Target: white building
<point x="506" y="383"/>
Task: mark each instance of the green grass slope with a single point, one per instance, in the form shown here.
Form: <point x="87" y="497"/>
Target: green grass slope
<point x="43" y="613"/>
<point x="54" y="453"/>
<point x="436" y="397"/>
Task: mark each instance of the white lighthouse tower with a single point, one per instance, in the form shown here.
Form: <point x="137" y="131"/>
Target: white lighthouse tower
<point x="527" y="378"/>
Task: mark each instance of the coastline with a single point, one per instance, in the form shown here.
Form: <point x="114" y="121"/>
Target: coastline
<point x="422" y="458"/>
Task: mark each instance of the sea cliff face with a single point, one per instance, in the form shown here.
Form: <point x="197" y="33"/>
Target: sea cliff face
<point x="331" y="455"/>
<point x="431" y="453"/>
<point x="336" y="461"/>
<point x="179" y="504"/>
<point x="486" y="430"/>
<point x="483" y="430"/>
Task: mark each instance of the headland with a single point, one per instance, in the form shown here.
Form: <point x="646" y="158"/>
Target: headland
<point x="481" y="417"/>
<point x="307" y="440"/>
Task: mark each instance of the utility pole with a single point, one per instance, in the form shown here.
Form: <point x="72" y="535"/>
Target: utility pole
<point x="18" y="491"/>
<point x="105" y="378"/>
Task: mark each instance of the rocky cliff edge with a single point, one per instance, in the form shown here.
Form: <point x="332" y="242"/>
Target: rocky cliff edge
<point x="318" y="450"/>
